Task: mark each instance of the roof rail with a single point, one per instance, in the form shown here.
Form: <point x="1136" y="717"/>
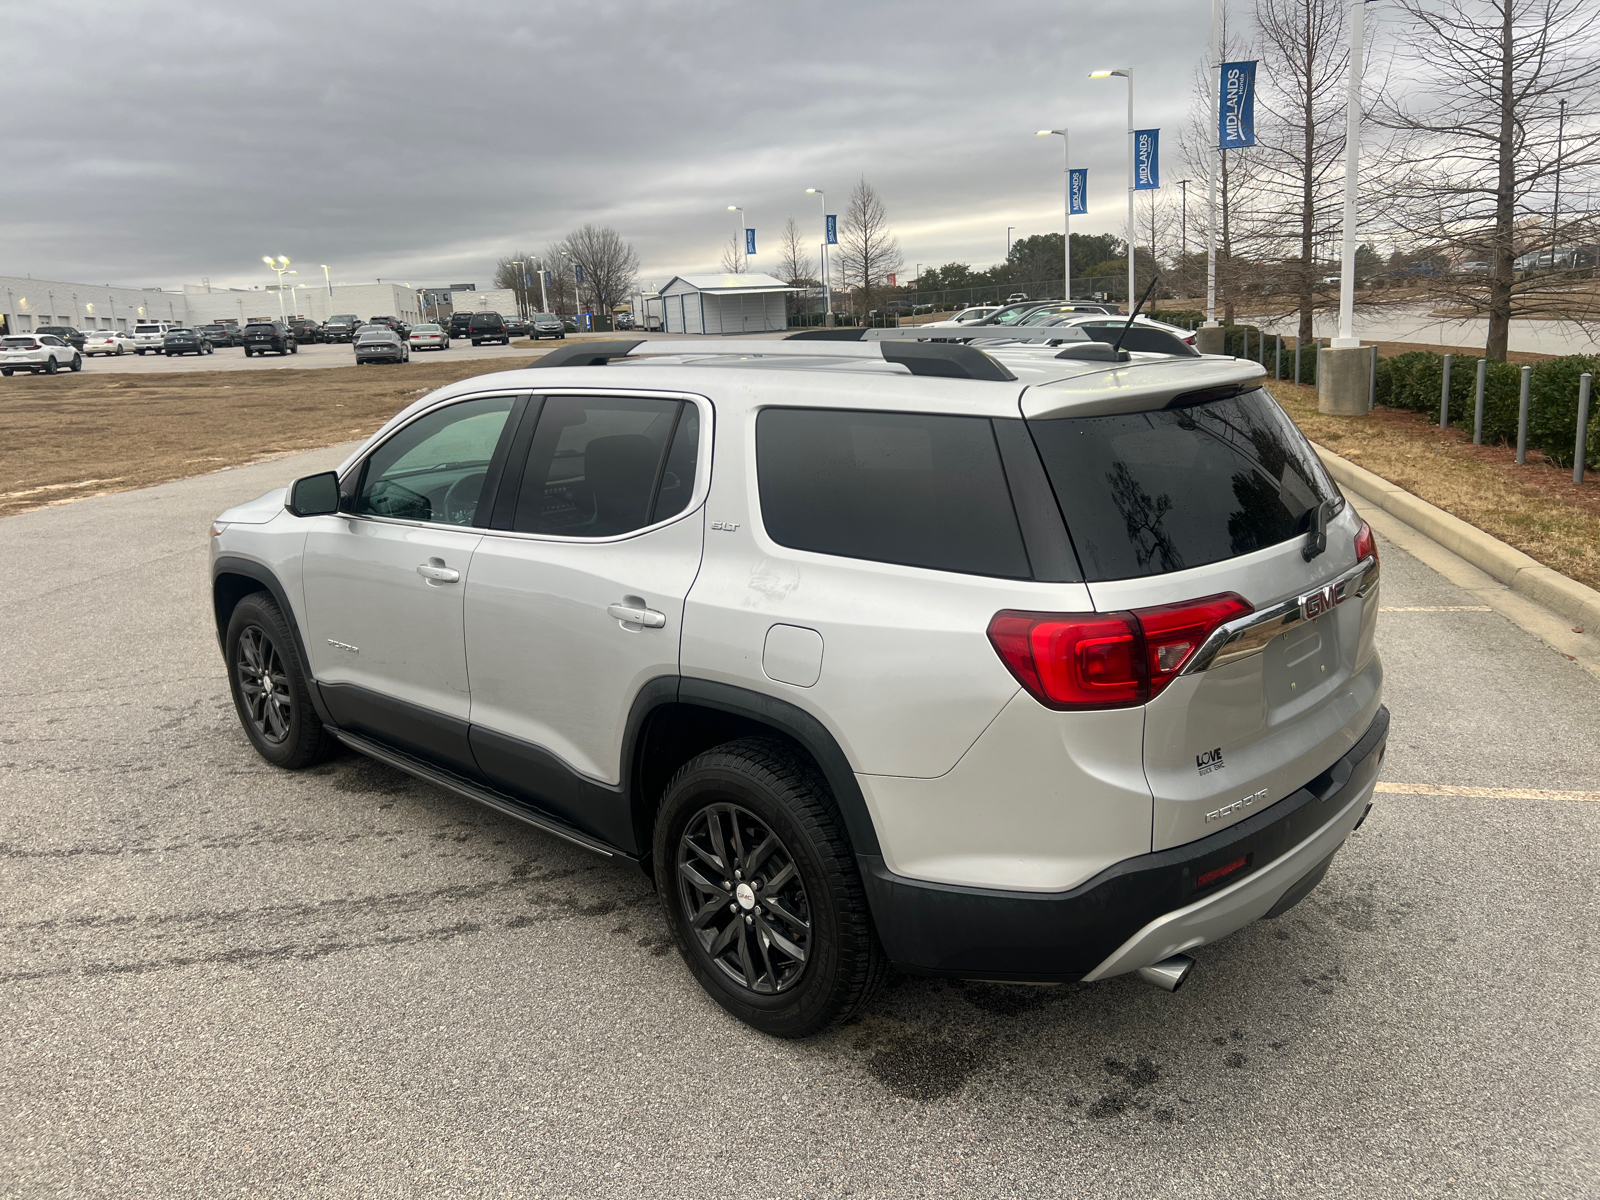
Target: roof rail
<point x="945" y="360"/>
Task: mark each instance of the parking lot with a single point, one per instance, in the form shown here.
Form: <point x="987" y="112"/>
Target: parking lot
<point x="218" y="979"/>
<point x="308" y="358"/>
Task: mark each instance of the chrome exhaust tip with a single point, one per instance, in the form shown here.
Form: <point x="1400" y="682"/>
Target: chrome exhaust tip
<point x="1169" y="973"/>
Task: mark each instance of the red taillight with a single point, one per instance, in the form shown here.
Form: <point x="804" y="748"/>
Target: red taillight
<point x="1106" y="660"/>
<point x="1366" y="544"/>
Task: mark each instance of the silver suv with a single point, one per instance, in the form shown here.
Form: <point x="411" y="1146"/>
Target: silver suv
<point x="1035" y="665"/>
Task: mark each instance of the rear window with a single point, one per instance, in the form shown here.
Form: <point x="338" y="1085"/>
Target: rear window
<point x="1152" y="492"/>
<point x="261" y="329"/>
<point x="17" y="343"/>
<point x="908" y="488"/>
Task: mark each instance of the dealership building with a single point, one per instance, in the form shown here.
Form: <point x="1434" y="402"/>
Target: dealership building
<point x="26" y="304"/>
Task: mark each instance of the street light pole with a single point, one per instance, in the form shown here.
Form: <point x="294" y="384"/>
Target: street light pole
<point x="1126" y="73"/>
<point x="1066" y="211"/>
<point x="1352" y="170"/>
<point x="1213" y="82"/>
<point x="327" y="279"/>
<point x="280" y="265"/>
<point x="739" y="239"/>
<point x="544" y="296"/>
<point x="521" y="291"/>
<point x="827" y="295"/>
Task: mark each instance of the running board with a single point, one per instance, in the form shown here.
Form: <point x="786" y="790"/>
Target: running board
<point x="502" y="804"/>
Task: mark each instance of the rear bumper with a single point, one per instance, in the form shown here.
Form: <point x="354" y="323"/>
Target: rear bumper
<point x="1139" y="911"/>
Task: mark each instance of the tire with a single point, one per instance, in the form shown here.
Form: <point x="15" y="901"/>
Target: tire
<point x="764" y="788"/>
<point x="295" y="349"/>
<point x="259" y="643"/>
<point x="51" y="366"/>
<point x="140" y="353"/>
<point x="247" y="351"/>
<point x="121" y="350"/>
<point x="6" y="371"/>
<point x="77" y="362"/>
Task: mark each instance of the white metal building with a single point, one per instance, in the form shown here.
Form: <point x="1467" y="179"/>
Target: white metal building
<point x="724" y="304"/>
<point x="500" y="300"/>
<point x="26" y="304"/>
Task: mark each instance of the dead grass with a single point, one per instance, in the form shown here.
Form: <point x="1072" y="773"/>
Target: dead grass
<point x="1536" y="508"/>
<point x="65" y="438"/>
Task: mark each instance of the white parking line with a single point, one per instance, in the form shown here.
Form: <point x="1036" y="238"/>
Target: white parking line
<point x="1484" y="793"/>
<point x="1433" y="608"/>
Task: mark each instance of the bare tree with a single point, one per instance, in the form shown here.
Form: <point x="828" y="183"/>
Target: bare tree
<point x="1305" y="53"/>
<point x="733" y="262"/>
<point x="610" y="265"/>
<point x="519" y="272"/>
<point x="1476" y="147"/>
<point x="868" y="252"/>
<point x="795" y="267"/>
<point x="559" y="287"/>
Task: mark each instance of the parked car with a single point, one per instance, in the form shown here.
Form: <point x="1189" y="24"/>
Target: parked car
<point x="428" y="337"/>
<point x="394" y="323"/>
<point x="107" y="341"/>
<point x="37" y="353"/>
<point x="975" y="313"/>
<point x="306" y="331"/>
<point x="1145" y="335"/>
<point x="516" y="327"/>
<point x="341" y="327"/>
<point x="546" y="325"/>
<point x="66" y="333"/>
<point x="1475" y="268"/>
<point x="569" y="325"/>
<point x="1083" y="745"/>
<point x="262" y="336"/>
<point x="488" y="327"/>
<point x="149" y="336"/>
<point x="184" y="341"/>
<point x="622" y="321"/>
<point x="219" y="334"/>
<point x="460" y="323"/>
<point x="1015" y="296"/>
<point x="379" y="343"/>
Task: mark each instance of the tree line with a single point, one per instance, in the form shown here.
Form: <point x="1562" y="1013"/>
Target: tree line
<point x="610" y="268"/>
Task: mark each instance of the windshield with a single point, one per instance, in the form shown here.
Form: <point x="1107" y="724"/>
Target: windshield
<point x="1009" y="316"/>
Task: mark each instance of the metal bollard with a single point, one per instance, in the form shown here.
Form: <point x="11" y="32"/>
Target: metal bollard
<point x="1522" y="418"/>
<point x="1316" y="363"/>
<point x="1477" y="404"/>
<point x="1444" y="394"/>
<point x="1277" y="362"/>
<point x="1297" y="358"/>
<point x="1372" y="382"/>
<point x="1581" y="448"/>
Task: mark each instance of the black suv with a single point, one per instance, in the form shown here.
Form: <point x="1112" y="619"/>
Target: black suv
<point x="459" y="324"/>
<point x="219" y="334"/>
<point x="261" y="336"/>
<point x="305" y="330"/>
<point x="65" y="332"/>
<point x="394" y="323"/>
<point x="488" y="327"/>
<point x="341" y="327"/>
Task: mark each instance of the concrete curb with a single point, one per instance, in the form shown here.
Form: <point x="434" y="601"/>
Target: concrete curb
<point x="1518" y="571"/>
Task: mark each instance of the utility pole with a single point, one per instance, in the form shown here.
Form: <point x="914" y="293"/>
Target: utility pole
<point x="1183" y="221"/>
<point x="1066" y="245"/>
<point x="1214" y="166"/>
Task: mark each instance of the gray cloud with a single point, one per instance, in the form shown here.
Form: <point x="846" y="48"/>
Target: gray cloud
<point x="156" y="144"/>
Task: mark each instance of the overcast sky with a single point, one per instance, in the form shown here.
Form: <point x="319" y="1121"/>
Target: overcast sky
<point x="158" y="144"/>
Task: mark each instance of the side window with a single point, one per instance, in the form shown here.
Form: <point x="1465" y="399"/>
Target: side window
<point x="434" y="469"/>
<point x="909" y="488"/>
<point x="597" y="463"/>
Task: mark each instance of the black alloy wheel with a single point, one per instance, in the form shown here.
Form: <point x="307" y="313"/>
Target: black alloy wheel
<point x="762" y="890"/>
<point x="77" y="362"/>
<point x="263" y="681"/>
<point x="51" y="367"/>
<point x="270" y="686"/>
<point x="750" y="911"/>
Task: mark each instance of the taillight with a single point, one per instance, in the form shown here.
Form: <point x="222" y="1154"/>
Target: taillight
<point x="1366" y="544"/>
<point x="1106" y="660"/>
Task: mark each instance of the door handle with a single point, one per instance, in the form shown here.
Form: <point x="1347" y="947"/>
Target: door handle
<point x="637" y="615"/>
<point x="435" y="570"/>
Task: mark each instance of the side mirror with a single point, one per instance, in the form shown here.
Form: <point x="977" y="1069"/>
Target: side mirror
<point x="314" y="495"/>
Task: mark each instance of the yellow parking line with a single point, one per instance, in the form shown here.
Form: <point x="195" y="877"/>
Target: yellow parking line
<point x="1434" y="608"/>
<point x="1485" y="793"/>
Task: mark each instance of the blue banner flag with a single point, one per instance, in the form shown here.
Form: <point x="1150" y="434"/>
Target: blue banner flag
<point x="1078" y="189"/>
<point x="833" y="230"/>
<point x="577" y="274"/>
<point x="1146" y="159"/>
<point x="1236" y="111"/>
<point x="749" y="242"/>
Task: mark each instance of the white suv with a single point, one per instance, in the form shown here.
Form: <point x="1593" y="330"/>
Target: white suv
<point x="151" y="336"/>
<point x="1031" y="665"/>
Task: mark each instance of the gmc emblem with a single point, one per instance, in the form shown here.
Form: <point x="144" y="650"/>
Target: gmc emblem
<point x="1314" y="604"/>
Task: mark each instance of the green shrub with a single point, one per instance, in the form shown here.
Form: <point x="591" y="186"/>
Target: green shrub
<point x="1189" y="318"/>
<point x="1553" y="406"/>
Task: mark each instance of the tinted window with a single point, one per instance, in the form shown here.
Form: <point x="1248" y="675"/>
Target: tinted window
<point x="595" y="465"/>
<point x="17" y="343"/>
<point x="1147" y="493"/>
<point x="434" y="468"/>
<point x="261" y="329"/>
<point x="924" y="491"/>
<point x="677" y="479"/>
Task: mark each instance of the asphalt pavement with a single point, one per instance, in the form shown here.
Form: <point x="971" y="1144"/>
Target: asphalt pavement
<point x="218" y="979"/>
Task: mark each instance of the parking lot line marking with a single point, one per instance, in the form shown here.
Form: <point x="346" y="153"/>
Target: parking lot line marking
<point x="1484" y="793"/>
<point x="1434" y="608"/>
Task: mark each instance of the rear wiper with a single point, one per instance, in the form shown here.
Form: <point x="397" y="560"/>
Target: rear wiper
<point x="1317" y="535"/>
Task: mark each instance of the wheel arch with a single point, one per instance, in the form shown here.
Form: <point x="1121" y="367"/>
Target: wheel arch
<point x="677" y="718"/>
<point x="232" y="579"/>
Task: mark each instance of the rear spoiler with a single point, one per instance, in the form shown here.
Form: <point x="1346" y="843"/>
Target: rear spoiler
<point x="1144" y="387"/>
